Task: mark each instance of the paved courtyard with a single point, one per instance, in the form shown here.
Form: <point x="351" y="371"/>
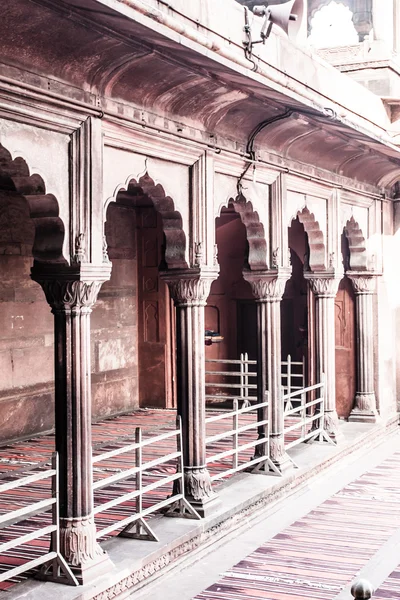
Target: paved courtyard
<point x="345" y="525"/>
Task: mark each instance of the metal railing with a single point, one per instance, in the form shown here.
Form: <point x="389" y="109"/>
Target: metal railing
<point x="235" y="380"/>
<point x="293" y="377"/>
<point x="135" y="526"/>
<point x="260" y="445"/>
<point x="308" y="415"/>
<point x="54" y="567"/>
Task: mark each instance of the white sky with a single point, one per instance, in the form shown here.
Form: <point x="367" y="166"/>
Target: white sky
<point x="332" y="26"/>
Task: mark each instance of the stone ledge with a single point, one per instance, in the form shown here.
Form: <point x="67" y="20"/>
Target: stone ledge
<point x="244" y="499"/>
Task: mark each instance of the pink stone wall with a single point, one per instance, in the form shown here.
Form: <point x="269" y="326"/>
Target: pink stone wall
<point x="26" y="329"/>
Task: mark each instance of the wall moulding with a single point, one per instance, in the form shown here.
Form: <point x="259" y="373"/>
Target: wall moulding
<point x="354" y="199"/>
<point x="129" y="136"/>
<point x="34" y="107"/>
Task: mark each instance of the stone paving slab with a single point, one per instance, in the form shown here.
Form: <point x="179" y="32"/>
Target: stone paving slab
<point x="319" y="554"/>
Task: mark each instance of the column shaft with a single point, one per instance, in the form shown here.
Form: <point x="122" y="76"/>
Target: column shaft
<point x="325" y="286"/>
<point x="268" y="288"/>
<point x="365" y="401"/>
<point x="189" y="290"/>
<point x="71" y="301"/>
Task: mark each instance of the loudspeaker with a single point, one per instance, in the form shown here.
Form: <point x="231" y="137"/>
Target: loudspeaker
<point x="287" y="16"/>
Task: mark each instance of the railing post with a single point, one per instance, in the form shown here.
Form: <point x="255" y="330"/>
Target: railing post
<point x="289" y="374"/>
<point x="235" y="437"/>
<point x="242" y="375"/>
<point x="303" y="414"/>
<point x="139" y="483"/>
<point x="246" y="378"/>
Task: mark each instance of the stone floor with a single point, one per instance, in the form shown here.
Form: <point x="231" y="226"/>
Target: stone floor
<point x="344" y="525"/>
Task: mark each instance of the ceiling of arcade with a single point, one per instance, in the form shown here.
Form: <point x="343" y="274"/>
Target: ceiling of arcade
<point x="95" y="50"/>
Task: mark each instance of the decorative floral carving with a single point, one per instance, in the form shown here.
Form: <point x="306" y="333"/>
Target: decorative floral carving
<point x="365" y="402"/>
<point x="78" y="542"/>
<point x="276" y="255"/>
<point x="362" y="283"/>
<point x="63" y="295"/>
<point x="323" y="285"/>
<point x="197" y="483"/>
<point x="268" y="286"/>
<point x="331" y="423"/>
<point x="80" y="251"/>
<point x="106" y="259"/>
<point x="276" y="448"/>
<point x="189" y="289"/>
<point x="198" y="254"/>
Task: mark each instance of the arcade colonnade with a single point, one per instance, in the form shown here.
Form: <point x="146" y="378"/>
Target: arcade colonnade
<point x="187" y="186"/>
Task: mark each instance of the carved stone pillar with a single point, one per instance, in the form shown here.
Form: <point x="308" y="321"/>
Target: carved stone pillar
<point x="71" y="294"/>
<point x="365" y="401"/>
<point x="325" y="286"/>
<point x="268" y="288"/>
<point x="190" y="290"/>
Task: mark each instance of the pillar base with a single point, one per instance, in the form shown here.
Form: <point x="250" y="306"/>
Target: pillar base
<point x="279" y="457"/>
<point x="332" y="428"/>
<point x="284" y="464"/>
<point x="81" y="550"/>
<point x="89" y="571"/>
<point x="205" y="506"/>
<point x="198" y="490"/>
<point x="358" y="415"/>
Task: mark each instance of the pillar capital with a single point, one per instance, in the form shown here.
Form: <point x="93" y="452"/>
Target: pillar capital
<point x="363" y="282"/>
<point x="189" y="287"/>
<point x="267" y="286"/>
<point x="324" y="284"/>
<point x="71" y="288"/>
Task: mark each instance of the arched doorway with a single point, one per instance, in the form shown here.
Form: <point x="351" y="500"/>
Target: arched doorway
<point x="144" y="235"/>
<point x="31" y="232"/>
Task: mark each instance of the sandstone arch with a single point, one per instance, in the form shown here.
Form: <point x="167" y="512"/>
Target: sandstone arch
<point x="16" y="179"/>
<point x="317" y="260"/>
<point x="135" y="191"/>
<point x="255" y="233"/>
<point x="357" y="258"/>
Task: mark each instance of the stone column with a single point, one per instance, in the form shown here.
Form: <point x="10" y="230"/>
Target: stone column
<point x="190" y="289"/>
<point x="325" y="286"/>
<point x="71" y="295"/>
<point x="365" y="401"/>
<point x="268" y="288"/>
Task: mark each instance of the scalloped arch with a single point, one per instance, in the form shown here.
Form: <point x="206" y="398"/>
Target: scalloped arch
<point x="315" y="239"/>
<point x="357" y="247"/>
<point x="43" y="207"/>
<point x="254" y="231"/>
<point x="171" y="219"/>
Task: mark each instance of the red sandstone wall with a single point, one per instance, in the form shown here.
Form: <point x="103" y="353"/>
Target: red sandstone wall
<point x="26" y="330"/>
